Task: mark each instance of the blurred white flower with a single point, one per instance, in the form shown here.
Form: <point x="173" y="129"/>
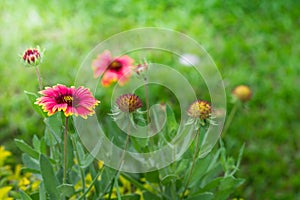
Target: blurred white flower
<point x="189" y="60"/>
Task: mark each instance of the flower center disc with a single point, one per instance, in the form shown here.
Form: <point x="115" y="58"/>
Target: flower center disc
<point x="115" y="65"/>
<point x="68" y="100"/>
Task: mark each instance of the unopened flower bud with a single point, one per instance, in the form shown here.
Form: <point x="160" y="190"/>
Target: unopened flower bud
<point x="141" y="68"/>
<point x="242" y="92"/>
<point x="32" y="57"/>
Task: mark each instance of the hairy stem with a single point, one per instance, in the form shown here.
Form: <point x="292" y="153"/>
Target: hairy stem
<point x="121" y="162"/>
<point x="230" y="118"/>
<point x="197" y="138"/>
<point x="39" y="77"/>
<point x="82" y="174"/>
<point x="65" y="149"/>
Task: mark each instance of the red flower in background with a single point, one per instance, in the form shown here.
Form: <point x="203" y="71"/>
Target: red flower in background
<point x="112" y="69"/>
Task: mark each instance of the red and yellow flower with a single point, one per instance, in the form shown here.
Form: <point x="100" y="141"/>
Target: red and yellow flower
<point x="70" y="100"/>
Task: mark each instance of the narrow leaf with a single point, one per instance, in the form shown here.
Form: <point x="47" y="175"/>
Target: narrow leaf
<point x="32" y="98"/>
<point x="24" y="196"/>
<point x="27" y="149"/>
<point x="66" y="190"/>
<point x="49" y="178"/>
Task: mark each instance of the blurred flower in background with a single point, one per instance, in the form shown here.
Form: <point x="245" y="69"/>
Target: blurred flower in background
<point x="242" y="93"/>
<point x="189" y="60"/>
<point x="112" y="69"/>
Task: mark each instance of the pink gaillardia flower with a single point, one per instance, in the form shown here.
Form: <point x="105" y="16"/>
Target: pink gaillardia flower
<point x="112" y="69"/>
<point x="70" y="100"/>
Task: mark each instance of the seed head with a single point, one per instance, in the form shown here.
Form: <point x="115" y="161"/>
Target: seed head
<point x="199" y="109"/>
<point x="129" y="103"/>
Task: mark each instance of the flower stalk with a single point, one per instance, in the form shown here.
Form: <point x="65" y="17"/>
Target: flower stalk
<point x="230" y="118"/>
<point x="39" y="77"/>
<point x="82" y="174"/>
<point x="65" y="149"/>
<point x="197" y="138"/>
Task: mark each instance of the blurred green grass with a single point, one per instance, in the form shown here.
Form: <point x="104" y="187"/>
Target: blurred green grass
<point x="253" y="42"/>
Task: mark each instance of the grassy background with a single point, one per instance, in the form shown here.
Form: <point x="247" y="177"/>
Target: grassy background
<point x="254" y="43"/>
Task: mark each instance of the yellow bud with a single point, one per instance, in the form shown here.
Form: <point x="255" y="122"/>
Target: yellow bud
<point x="242" y="92"/>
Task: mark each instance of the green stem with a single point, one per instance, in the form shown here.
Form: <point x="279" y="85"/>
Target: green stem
<point x="79" y="163"/>
<point x="173" y="190"/>
<point x="197" y="138"/>
<point x="147" y="98"/>
<point x="118" y="170"/>
<point x="65" y="149"/>
<point x="39" y="77"/>
<point x="230" y="118"/>
<point x="92" y="184"/>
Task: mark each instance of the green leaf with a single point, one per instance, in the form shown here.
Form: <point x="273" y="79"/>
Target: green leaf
<point x="55" y="126"/>
<point x="149" y="195"/>
<point x="32" y="98"/>
<point x="94" y="175"/>
<point x="200" y="170"/>
<point x="43" y="146"/>
<point x="167" y="179"/>
<point x="171" y="121"/>
<point x="36" y="144"/>
<point x="202" y="196"/>
<point x="227" y="186"/>
<point x="129" y="197"/>
<point x="87" y="160"/>
<point x="137" y="183"/>
<point x="35" y="195"/>
<point x="230" y="183"/>
<point x="152" y="177"/>
<point x="31" y="163"/>
<point x="66" y="190"/>
<point x="29" y="170"/>
<point x="27" y="149"/>
<point x="42" y="191"/>
<point x="24" y="196"/>
<point x="49" y="138"/>
<point x="211" y="186"/>
<point x="50" y="181"/>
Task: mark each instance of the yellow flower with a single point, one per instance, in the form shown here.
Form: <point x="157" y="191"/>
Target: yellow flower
<point x="3" y="155"/>
<point x="23" y="183"/>
<point x="17" y="173"/>
<point x="100" y="164"/>
<point x="126" y="185"/>
<point x="4" y="193"/>
<point x="139" y="192"/>
<point x="35" y="185"/>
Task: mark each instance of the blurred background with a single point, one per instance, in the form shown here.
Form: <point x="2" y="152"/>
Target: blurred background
<point x="252" y="42"/>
